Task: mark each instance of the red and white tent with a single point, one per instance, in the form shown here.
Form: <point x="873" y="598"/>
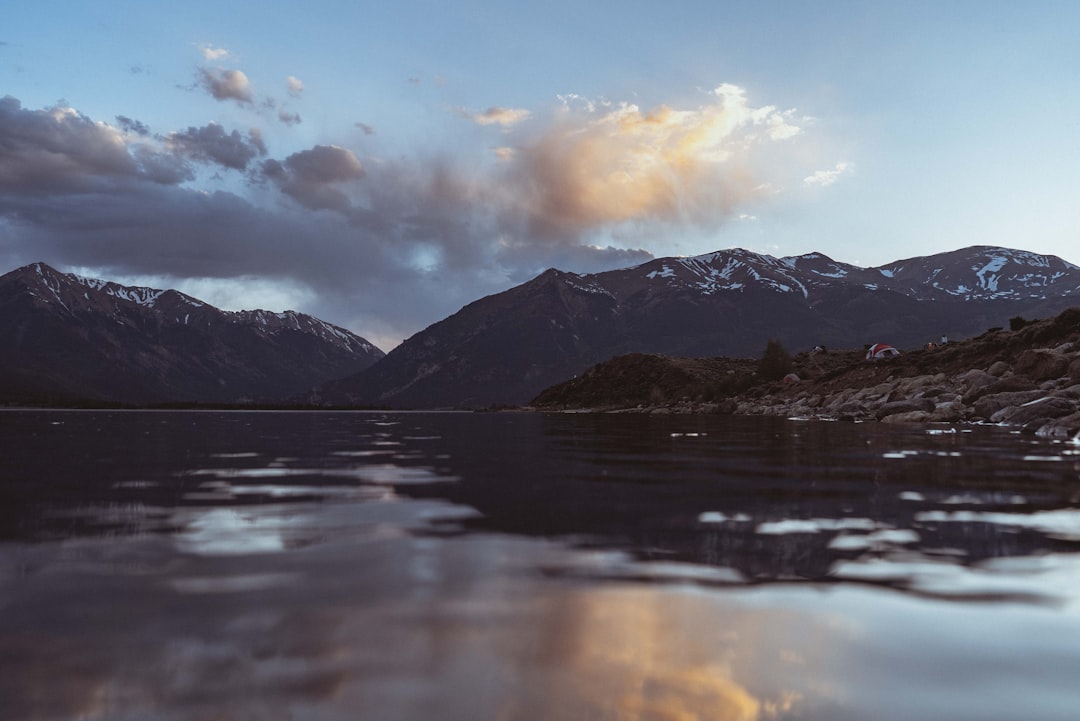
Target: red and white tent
<point x="880" y="350"/>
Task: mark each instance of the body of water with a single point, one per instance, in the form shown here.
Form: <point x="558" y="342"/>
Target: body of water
<point x="514" y="566"/>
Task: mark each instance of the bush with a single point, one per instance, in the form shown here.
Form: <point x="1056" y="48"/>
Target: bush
<point x="1018" y="322"/>
<point x="775" y="362"/>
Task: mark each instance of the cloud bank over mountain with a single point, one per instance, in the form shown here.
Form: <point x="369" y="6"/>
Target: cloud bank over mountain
<point x="382" y="243"/>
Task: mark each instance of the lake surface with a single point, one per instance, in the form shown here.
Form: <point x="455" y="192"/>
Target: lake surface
<point x="236" y="565"/>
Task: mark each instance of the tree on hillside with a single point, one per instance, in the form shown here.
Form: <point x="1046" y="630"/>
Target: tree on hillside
<point x="1018" y="322"/>
<point x="775" y="362"/>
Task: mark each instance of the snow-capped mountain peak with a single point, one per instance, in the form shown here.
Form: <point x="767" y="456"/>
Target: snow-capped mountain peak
<point x="977" y="273"/>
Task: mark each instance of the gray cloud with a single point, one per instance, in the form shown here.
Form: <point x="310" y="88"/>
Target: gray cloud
<point x="385" y="247"/>
<point x="288" y="118"/>
<point x="255" y="135"/>
<point x="61" y="151"/>
<point x="310" y="177"/>
<point x="212" y="144"/>
<point x="226" y="84"/>
<point x="132" y="126"/>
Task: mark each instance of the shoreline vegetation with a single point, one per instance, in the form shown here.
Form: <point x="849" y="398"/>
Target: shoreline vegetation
<point x="1025" y="377"/>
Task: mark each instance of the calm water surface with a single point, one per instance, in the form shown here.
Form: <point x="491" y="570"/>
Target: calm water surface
<point x="209" y="565"/>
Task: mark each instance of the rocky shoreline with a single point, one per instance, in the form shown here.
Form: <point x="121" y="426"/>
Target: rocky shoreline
<point x="1017" y="395"/>
<point x="1027" y="378"/>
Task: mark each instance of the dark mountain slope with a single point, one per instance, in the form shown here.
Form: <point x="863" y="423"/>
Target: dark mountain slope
<point x="63" y="337"/>
<point x="507" y="347"/>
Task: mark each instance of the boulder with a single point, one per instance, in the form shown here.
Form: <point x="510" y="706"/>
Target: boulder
<point x="1011" y="384"/>
<point x="851" y="409"/>
<point x="921" y="405"/>
<point x="974" y="379"/>
<point x="1065" y="427"/>
<point x="1043" y="409"/>
<point x="907" y="417"/>
<point x="1072" y="392"/>
<point x="991" y="404"/>
<point x="948" y="412"/>
<point x="1041" y="365"/>
<point x="998" y="369"/>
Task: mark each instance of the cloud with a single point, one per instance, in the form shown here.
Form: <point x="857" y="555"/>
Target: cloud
<point x="212" y="54"/>
<point x="212" y="144"/>
<point x="496" y="116"/>
<point x="132" y="126"/>
<point x="367" y="129"/>
<point x="226" y="84"/>
<point x="59" y="150"/>
<point x="310" y="177"/>
<point x="825" y="178"/>
<point x="294" y="86"/>
<point x="289" y="118"/>
<point x="256" y="138"/>
<point x="597" y="164"/>
<point x="390" y="242"/>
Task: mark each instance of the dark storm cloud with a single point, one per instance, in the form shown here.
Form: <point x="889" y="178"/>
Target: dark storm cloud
<point x="226" y="84"/>
<point x="211" y="143"/>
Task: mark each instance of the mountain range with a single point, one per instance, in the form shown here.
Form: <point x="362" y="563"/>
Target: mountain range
<point x="506" y="348"/>
<point x="65" y="338"/>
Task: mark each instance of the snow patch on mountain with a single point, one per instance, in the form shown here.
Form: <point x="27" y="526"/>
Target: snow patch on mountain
<point x="988" y="274"/>
<point x="74" y="292"/>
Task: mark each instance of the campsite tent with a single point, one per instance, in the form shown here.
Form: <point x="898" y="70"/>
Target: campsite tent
<point x="880" y="350"/>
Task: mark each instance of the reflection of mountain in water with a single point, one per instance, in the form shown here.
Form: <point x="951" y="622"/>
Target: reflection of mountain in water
<point x="771" y="498"/>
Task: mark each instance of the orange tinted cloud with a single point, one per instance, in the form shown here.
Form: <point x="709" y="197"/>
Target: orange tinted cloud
<point x="606" y="164"/>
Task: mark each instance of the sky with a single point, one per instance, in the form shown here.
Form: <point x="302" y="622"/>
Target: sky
<point x="381" y="165"/>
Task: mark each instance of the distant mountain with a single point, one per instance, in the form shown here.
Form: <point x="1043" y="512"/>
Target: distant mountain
<point x="505" y="348"/>
<point x="64" y="337"/>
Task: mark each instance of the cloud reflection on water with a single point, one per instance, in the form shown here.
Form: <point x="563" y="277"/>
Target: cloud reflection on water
<point x="464" y="628"/>
<point x="568" y="572"/>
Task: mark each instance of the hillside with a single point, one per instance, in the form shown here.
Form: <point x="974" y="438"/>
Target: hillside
<point x="66" y="339"/>
<point x="505" y="348"/>
<point x="1027" y="377"/>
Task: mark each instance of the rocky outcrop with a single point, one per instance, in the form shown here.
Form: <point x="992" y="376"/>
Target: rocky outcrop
<point x="1027" y="379"/>
<point x="1038" y="393"/>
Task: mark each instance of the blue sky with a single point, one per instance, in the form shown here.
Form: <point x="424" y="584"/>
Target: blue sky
<point x="380" y="165"/>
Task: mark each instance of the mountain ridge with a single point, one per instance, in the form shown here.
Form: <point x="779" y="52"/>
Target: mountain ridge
<point x="66" y="337"/>
<point x="725" y="303"/>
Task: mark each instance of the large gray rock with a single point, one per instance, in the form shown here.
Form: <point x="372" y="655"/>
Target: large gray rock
<point x="988" y="405"/>
<point x="907" y="417"/>
<point x="949" y="412"/>
<point x="1045" y="409"/>
<point x="1066" y="427"/>
<point x="922" y="405"/>
<point x="1010" y="384"/>
<point x="1042" y="365"/>
<point x="974" y="379"/>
